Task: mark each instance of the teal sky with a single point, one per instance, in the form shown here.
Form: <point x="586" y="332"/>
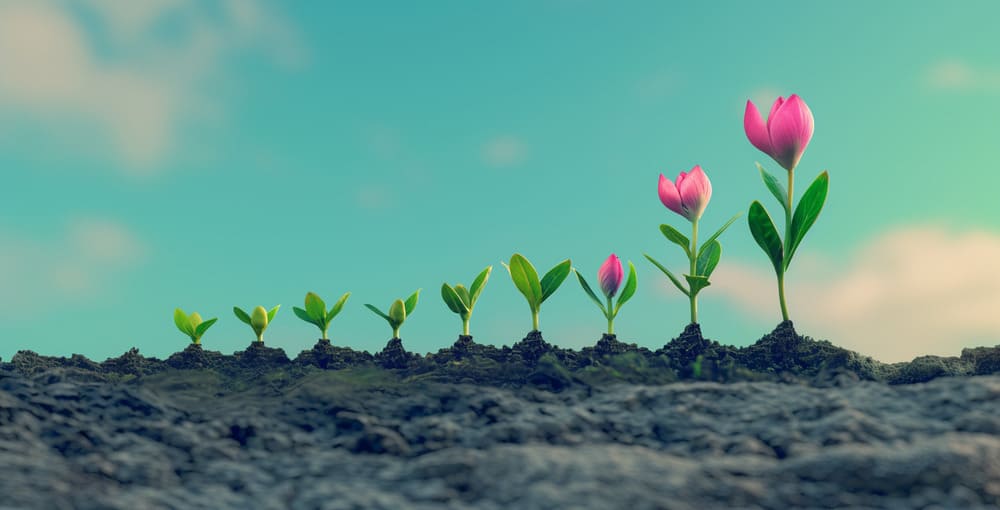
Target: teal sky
<point x="211" y="154"/>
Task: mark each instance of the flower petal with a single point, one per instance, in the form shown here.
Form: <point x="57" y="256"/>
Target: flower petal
<point x="610" y="275"/>
<point x="695" y="193"/>
<point x="774" y="108"/>
<point x="790" y="131"/>
<point x="755" y="129"/>
<point x="670" y="196"/>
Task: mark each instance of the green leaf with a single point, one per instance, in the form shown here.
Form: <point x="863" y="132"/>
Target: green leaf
<point x="525" y="279"/>
<point x="807" y="211"/>
<point x="479" y="283"/>
<point x="765" y="234"/>
<point x="463" y="293"/>
<point x="697" y="283"/>
<point x="338" y="306"/>
<point x="674" y="236"/>
<point x="397" y="312"/>
<point x="708" y="259"/>
<point x="554" y="278"/>
<point x="304" y="315"/>
<point x="411" y="303"/>
<point x="677" y="283"/>
<point x="315" y="307"/>
<point x="272" y="313"/>
<point x="590" y="292"/>
<point x="777" y="189"/>
<point x="717" y="233"/>
<point x="452" y="300"/>
<point x="629" y="290"/>
<point x="379" y="312"/>
<point x="182" y="323"/>
<point x="241" y="315"/>
<point x="203" y="327"/>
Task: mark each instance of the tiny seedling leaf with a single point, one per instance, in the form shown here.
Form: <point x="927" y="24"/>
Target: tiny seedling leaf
<point x="451" y="299"/>
<point x="272" y="313"/>
<point x="304" y="315"/>
<point x="411" y="302"/>
<point x="629" y="290"/>
<point x="708" y="259"/>
<point x="479" y="283"/>
<point x="765" y="234"/>
<point x="463" y="294"/>
<point x="315" y="307"/>
<point x="554" y="278"/>
<point x="677" y="283"/>
<point x="397" y="312"/>
<point x="203" y="327"/>
<point x="241" y="315"/>
<point x="589" y="291"/>
<point x="379" y="312"/>
<point x="806" y="212"/>
<point x="338" y="306"/>
<point x="182" y="322"/>
<point x="775" y="186"/>
<point x="525" y="279"/>
<point x="674" y="236"/>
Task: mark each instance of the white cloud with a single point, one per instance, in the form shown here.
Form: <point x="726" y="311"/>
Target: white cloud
<point x="504" y="151"/>
<point x="909" y="292"/>
<point x="119" y="78"/>
<point x="37" y="273"/>
<point x="956" y="75"/>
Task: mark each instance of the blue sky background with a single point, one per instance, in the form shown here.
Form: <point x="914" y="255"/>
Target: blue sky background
<point x="210" y="154"/>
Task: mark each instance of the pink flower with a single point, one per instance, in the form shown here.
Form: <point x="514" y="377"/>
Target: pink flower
<point x="787" y="132"/>
<point x="611" y="275"/>
<point x="689" y="196"/>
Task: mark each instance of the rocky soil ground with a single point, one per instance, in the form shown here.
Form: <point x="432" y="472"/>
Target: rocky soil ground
<point x="787" y="422"/>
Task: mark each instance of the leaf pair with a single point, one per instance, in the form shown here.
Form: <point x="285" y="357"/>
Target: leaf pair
<point x="316" y="313"/>
<point x="399" y="310"/>
<point x="766" y="234"/>
<point x="462" y="300"/>
<point x="526" y="280"/>
<point x="627" y="292"/>
<point x="258" y="320"/>
<point x="707" y="257"/>
<point x="192" y="325"/>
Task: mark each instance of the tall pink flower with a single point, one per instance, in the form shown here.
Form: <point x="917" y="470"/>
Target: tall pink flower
<point x="610" y="274"/>
<point x="787" y="132"/>
<point x="689" y="196"/>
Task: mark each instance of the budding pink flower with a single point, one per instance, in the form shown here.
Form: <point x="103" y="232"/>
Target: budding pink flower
<point x="787" y="132"/>
<point x="610" y="274"/>
<point x="689" y="196"/>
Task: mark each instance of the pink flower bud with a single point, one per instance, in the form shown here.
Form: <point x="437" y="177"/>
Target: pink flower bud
<point x="611" y="275"/>
<point x="787" y="132"/>
<point x="689" y="196"/>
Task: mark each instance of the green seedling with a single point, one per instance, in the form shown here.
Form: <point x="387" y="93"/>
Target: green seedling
<point x="525" y="278"/>
<point x="398" y="312"/>
<point x="192" y="325"/>
<point x="316" y="313"/>
<point x="258" y="320"/>
<point x="462" y="300"/>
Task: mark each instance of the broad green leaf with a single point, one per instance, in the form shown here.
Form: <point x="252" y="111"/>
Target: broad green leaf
<point x="696" y="282"/>
<point x="271" y="313"/>
<point x="411" y="302"/>
<point x="479" y="283"/>
<point x="674" y="236"/>
<point x="525" y="279"/>
<point x="182" y="323"/>
<point x="377" y="311"/>
<point x="717" y="233"/>
<point x="807" y="211"/>
<point x="677" y="283"/>
<point x="765" y="234"/>
<point x="338" y="306"/>
<point x="590" y="292"/>
<point x="304" y="315"/>
<point x="397" y="312"/>
<point x="451" y="299"/>
<point x="777" y="189"/>
<point x="629" y="290"/>
<point x="315" y="307"/>
<point x="708" y="259"/>
<point x="554" y="278"/>
<point x="463" y="293"/>
<point x="203" y="327"/>
<point x="241" y="315"/>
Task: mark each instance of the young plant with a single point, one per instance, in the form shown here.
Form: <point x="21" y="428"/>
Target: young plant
<point x="192" y="325"/>
<point x="462" y="300"/>
<point x="610" y="276"/>
<point x="399" y="310"/>
<point x="259" y="319"/>
<point x="536" y="292"/>
<point x="688" y="198"/>
<point x="316" y="313"/>
<point x="784" y="137"/>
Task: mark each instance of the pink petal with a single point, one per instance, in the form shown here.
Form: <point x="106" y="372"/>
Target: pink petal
<point x="790" y="131"/>
<point x="610" y="275"/>
<point x="774" y="108"/>
<point x="755" y="129"/>
<point x="695" y="193"/>
<point x="670" y="196"/>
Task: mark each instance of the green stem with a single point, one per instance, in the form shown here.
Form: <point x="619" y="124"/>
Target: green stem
<point x="260" y="337"/>
<point x="534" y="320"/>
<point x="611" y="318"/>
<point x="786" y="245"/>
<point x="395" y="332"/>
<point x="465" y="327"/>
<point x="694" y="269"/>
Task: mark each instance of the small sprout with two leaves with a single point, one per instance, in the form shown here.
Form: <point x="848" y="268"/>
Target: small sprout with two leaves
<point x="610" y="279"/>
<point x="536" y="292"/>
<point x="462" y="300"/>
<point x="259" y="319"/>
<point x="192" y="325"/>
<point x="398" y="312"/>
<point x="316" y="313"/>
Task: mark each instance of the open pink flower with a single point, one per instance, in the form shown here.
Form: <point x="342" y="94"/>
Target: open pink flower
<point x="787" y="132"/>
<point x="689" y="196"/>
<point x="610" y="274"/>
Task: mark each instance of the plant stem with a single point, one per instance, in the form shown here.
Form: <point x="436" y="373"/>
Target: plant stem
<point x="534" y="320"/>
<point x="694" y="269"/>
<point x="611" y="318"/>
<point x="786" y="245"/>
<point x="395" y="332"/>
<point x="465" y="327"/>
<point x="260" y="337"/>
